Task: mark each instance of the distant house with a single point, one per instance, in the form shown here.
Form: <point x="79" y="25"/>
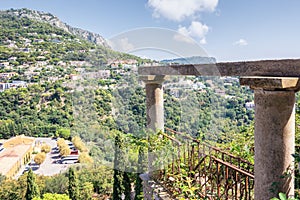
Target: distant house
<point x="61" y="63"/>
<point x="220" y="92"/>
<point x="17" y="84"/>
<point x="12" y="59"/>
<point x="41" y="63"/>
<point x="4" y="64"/>
<point x="80" y="63"/>
<point x="38" y="40"/>
<point x="103" y="74"/>
<point x="14" y="84"/>
<point x="7" y="75"/>
<point x="74" y="77"/>
<point x="250" y="105"/>
<point x="4" y="86"/>
<point x="16" y="152"/>
<point x="229" y="79"/>
<point x="26" y="50"/>
<point x="56" y="41"/>
<point x="12" y="45"/>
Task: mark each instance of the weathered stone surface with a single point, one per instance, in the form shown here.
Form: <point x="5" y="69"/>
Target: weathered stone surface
<point x="275" y="68"/>
<point x="271" y="83"/>
<point x="155" y="102"/>
<point x="274" y="143"/>
<point x="153" y="79"/>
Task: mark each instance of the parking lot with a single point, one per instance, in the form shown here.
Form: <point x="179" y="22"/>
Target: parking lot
<point x="51" y="165"/>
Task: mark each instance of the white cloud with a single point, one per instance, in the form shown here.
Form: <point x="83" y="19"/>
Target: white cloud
<point x="241" y="42"/>
<point x="178" y="10"/>
<point x="122" y="45"/>
<point x="196" y="30"/>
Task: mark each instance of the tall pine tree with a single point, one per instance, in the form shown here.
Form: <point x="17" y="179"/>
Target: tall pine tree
<point x="118" y="188"/>
<point x="73" y="185"/>
<point x="141" y="167"/>
<point x="127" y="185"/>
<point x="32" y="188"/>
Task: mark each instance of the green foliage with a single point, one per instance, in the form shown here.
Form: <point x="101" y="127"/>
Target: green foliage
<point x="33" y="113"/>
<point x="118" y="187"/>
<point x="50" y="196"/>
<point x="45" y="148"/>
<point x="2" y="178"/>
<point x="56" y="184"/>
<point x="138" y="181"/>
<point x="64" y="133"/>
<point x="73" y="188"/>
<point x="127" y="185"/>
<point x="32" y="188"/>
<point x="283" y="196"/>
<point x="86" y="191"/>
<point x="39" y="158"/>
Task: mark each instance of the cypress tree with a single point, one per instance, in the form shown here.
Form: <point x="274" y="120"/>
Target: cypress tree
<point x="118" y="188"/>
<point x="73" y="185"/>
<point x="138" y="182"/>
<point x="127" y="186"/>
<point x="32" y="188"/>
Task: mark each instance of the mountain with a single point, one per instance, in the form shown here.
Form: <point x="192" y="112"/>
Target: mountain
<point x="55" y="21"/>
<point x="32" y="49"/>
<point x="191" y="60"/>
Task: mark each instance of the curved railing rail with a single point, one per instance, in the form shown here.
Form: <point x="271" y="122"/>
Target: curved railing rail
<point x="211" y="172"/>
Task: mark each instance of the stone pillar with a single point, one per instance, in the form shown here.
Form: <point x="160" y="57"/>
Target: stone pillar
<point x="274" y="135"/>
<point x="155" y="102"/>
<point x="155" y="111"/>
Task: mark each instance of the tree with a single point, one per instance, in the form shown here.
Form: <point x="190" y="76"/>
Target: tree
<point x="32" y="188"/>
<point x="87" y="190"/>
<point x="79" y="144"/>
<point x="127" y="186"/>
<point x="73" y="185"/>
<point x="40" y="158"/>
<point x="2" y="178"/>
<point x="85" y="158"/>
<point x="61" y="142"/>
<point x="64" y="133"/>
<point x="50" y="196"/>
<point x="46" y="148"/>
<point x="118" y="187"/>
<point x="56" y="184"/>
<point x="65" y="150"/>
<point x="138" y="182"/>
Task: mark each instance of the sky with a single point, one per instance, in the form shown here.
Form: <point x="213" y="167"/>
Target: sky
<point x="229" y="30"/>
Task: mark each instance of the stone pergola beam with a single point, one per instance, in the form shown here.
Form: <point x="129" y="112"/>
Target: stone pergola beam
<point x="275" y="83"/>
<point x="273" y="68"/>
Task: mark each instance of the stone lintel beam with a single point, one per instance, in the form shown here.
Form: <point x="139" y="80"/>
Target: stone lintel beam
<point x="271" y="83"/>
<point x="153" y="79"/>
<point x="274" y="68"/>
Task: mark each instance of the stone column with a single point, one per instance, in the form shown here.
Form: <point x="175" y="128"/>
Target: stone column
<point x="274" y="135"/>
<point x="155" y="111"/>
<point x="155" y="102"/>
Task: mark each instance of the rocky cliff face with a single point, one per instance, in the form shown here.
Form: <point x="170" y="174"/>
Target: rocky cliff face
<point x="55" y="21"/>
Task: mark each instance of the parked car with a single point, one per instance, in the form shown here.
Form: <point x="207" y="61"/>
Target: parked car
<point x="69" y="160"/>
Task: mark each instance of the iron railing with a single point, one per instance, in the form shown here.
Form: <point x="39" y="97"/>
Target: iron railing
<point x="209" y="171"/>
